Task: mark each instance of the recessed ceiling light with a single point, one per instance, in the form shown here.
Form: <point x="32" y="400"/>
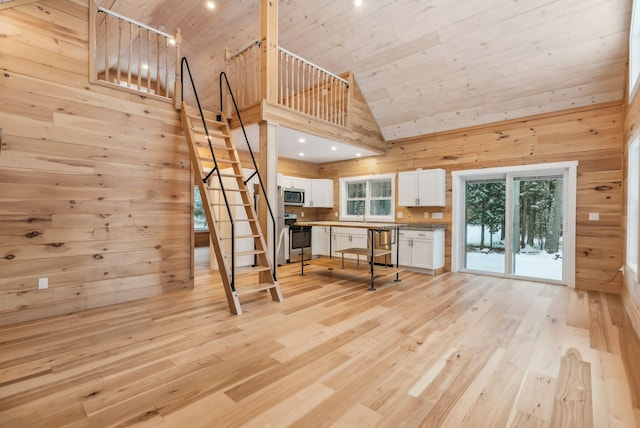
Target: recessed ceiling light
<point x="301" y="154"/>
<point x="358" y="154"/>
<point x="358" y="3"/>
<point x="211" y="5"/>
<point x="334" y="148"/>
<point x="172" y="42"/>
<point x="301" y="140"/>
<point x="145" y="66"/>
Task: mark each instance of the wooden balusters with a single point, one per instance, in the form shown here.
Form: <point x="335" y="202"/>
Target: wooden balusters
<point x="147" y="67"/>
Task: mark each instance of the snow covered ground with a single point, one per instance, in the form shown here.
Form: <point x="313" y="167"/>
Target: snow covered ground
<point x="540" y="265"/>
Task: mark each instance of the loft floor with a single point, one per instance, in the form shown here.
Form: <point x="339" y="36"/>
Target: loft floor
<point x="453" y="350"/>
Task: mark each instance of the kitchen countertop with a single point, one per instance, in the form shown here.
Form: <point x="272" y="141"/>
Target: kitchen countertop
<point x="373" y="225"/>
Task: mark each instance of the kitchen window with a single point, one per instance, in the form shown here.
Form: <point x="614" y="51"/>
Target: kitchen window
<point x="369" y="198"/>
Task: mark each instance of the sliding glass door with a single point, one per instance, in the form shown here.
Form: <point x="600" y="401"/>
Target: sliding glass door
<point x="485" y="232"/>
<point x="514" y="222"/>
<point x="537" y="227"/>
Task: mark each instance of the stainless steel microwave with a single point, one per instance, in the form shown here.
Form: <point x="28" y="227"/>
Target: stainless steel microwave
<point x="294" y="197"/>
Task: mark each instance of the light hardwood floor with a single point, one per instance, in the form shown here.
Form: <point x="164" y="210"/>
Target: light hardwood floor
<point x="452" y="350"/>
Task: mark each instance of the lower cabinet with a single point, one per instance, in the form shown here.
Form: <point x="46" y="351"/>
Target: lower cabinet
<point x="319" y="241"/>
<point x="348" y="237"/>
<point x="421" y="249"/>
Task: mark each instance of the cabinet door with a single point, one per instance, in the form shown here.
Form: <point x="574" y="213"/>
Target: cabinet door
<point x="340" y="242"/>
<point x="287" y="182"/>
<point x="322" y="193"/>
<point x="408" y="189"/>
<point x="422" y="253"/>
<point x="403" y="251"/>
<point x="319" y="243"/>
<point x="431" y="187"/>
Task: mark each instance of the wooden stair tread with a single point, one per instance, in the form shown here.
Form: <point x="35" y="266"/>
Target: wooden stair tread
<point x="227" y="189"/>
<point x="197" y="118"/>
<point x="228" y="238"/>
<point x="247" y="253"/>
<point x="247" y="270"/>
<point x="224" y="220"/>
<point x="254" y="288"/>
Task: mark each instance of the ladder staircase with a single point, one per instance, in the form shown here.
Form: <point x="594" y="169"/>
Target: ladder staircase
<point x="228" y="206"/>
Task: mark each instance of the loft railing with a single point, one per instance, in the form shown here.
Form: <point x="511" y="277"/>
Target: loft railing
<point x="243" y="74"/>
<point x="302" y="86"/>
<point x="310" y="89"/>
<point x="133" y="56"/>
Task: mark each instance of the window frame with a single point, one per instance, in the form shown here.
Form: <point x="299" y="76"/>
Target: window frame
<point x="344" y="216"/>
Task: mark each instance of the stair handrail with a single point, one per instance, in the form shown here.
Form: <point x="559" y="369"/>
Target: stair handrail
<point x="256" y="172"/>
<point x="215" y="169"/>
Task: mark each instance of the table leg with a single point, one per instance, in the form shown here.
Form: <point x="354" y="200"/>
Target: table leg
<point x="371" y="261"/>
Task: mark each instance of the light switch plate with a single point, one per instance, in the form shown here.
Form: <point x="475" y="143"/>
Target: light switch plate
<point x="43" y="283"/>
<point x="594" y="216"/>
<point x="400" y="214"/>
<point x="437" y="215"/>
<point x="426" y="215"/>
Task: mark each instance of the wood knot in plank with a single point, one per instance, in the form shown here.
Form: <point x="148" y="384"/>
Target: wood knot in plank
<point x="9" y="257"/>
<point x="32" y="234"/>
<point x="602" y="188"/>
<point x="98" y="256"/>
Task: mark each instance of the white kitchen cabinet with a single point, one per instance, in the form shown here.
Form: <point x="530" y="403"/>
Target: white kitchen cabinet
<point x="321" y="195"/>
<point x="421" y="249"/>
<point x="318" y="192"/>
<point x="319" y="241"/>
<point x="286" y="182"/>
<point x="421" y="188"/>
<point x="348" y="237"/>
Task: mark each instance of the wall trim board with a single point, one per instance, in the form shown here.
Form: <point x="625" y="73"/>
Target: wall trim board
<point x="15" y="3"/>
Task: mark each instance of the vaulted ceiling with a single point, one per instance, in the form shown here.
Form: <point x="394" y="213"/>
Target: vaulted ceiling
<point x="425" y="66"/>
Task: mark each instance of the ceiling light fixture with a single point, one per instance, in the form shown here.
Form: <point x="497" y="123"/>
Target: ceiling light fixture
<point x="358" y="3"/>
<point x="145" y="67"/>
<point x="301" y="154"/>
<point x="172" y="42"/>
<point x="358" y="154"/>
<point x="334" y="148"/>
<point x="211" y="5"/>
<point x="301" y="140"/>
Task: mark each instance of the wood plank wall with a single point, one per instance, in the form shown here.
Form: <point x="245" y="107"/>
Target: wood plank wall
<point x="95" y="183"/>
<point x="592" y="136"/>
<point x="631" y="289"/>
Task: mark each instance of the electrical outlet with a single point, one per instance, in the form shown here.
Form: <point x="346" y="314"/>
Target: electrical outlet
<point x="426" y="215"/>
<point x="336" y="214"/>
<point x="301" y="213"/>
<point x="400" y="214"/>
<point x="437" y="215"/>
<point x="594" y="216"/>
<point x="43" y="283"/>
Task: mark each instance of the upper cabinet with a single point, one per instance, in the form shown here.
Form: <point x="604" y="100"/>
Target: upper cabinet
<point x="318" y="193"/>
<point x="321" y="193"/>
<point x="421" y="188"/>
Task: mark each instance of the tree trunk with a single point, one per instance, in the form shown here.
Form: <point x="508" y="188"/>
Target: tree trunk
<point x="554" y="228"/>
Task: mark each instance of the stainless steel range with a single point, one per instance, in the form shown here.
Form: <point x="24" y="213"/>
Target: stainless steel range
<point x="299" y="239"/>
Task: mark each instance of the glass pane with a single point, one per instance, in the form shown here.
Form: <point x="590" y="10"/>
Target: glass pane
<point x="355" y="207"/>
<point x="199" y="218"/>
<point x="357" y="190"/>
<point x="380" y="207"/>
<point x="484" y="225"/>
<point x="537" y="231"/>
<point x="381" y="189"/>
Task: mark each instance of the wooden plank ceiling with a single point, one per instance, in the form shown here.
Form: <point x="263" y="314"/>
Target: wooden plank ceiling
<point x="425" y="66"/>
